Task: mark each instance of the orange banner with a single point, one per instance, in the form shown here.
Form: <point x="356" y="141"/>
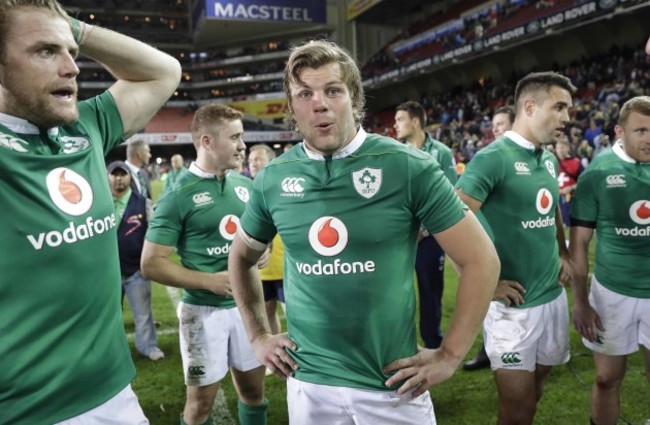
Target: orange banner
<point x="270" y="108"/>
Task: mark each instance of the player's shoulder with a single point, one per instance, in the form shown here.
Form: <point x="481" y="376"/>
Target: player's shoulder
<point x="387" y="147"/>
<point x="442" y="147"/>
<point x="239" y="180"/>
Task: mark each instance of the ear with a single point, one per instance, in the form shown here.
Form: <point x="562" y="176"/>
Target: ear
<point x="529" y="106"/>
<point x="205" y="141"/>
<point x="620" y="132"/>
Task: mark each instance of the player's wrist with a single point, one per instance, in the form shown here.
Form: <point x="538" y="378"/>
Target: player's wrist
<point x="80" y="30"/>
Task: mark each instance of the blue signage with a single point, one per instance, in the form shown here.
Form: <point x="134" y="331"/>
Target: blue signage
<point x="300" y="11"/>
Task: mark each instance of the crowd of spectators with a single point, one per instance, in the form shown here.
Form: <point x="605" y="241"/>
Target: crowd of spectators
<point x="461" y="117"/>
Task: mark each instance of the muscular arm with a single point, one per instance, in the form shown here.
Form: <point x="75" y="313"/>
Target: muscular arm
<point x="566" y="269"/>
<point x="146" y="77"/>
<point x="580" y="237"/>
<point x="156" y="265"/>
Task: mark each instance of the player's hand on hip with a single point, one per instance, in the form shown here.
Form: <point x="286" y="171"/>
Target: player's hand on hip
<point x="422" y="371"/>
<point x="220" y="284"/>
<point x="509" y="292"/>
<point x="586" y="321"/>
<point x="271" y="351"/>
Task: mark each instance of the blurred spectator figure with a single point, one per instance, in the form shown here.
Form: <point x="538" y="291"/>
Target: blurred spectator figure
<point x="502" y="120"/>
<point x="177" y="167"/>
<point x="138" y="154"/>
<point x="570" y="169"/>
<point x="603" y="144"/>
<point x="286" y="147"/>
<point x="133" y="212"/>
<point x="593" y="131"/>
<point x="584" y="152"/>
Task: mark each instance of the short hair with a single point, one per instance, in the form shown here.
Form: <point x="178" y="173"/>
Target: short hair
<point x="541" y="82"/>
<point x="509" y="110"/>
<point x="270" y="154"/>
<point x="8" y="6"/>
<point x="212" y="115"/>
<point x="415" y="110"/>
<point x="134" y="147"/>
<point x="638" y="104"/>
<point x="317" y="53"/>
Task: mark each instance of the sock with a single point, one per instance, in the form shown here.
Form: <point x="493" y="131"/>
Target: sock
<point x="252" y="415"/>
<point x="208" y="422"/>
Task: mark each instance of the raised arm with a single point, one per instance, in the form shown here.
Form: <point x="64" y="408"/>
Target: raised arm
<point x="146" y="77"/>
<point x="156" y="265"/>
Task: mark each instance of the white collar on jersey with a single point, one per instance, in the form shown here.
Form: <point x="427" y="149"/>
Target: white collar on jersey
<point x="620" y="152"/>
<point x="21" y="126"/>
<point x="348" y="150"/>
<point x="194" y="169"/>
<point x="519" y="139"/>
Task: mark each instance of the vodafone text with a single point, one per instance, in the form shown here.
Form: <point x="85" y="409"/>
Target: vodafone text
<point x="633" y="231"/>
<point x="218" y="250"/>
<point x="539" y="223"/>
<point x="335" y="268"/>
<point x="72" y="233"/>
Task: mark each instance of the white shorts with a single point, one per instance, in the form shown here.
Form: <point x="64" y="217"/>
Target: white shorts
<point x="520" y="338"/>
<point x="313" y="404"/>
<point x="123" y="409"/>
<point x="212" y="339"/>
<point x="626" y="321"/>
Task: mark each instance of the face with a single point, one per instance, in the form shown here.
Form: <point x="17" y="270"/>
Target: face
<point x="256" y="161"/>
<point x="177" y="162"/>
<point x="562" y="150"/>
<point x="322" y="109"/>
<point x="224" y="147"/>
<point x="38" y="72"/>
<point x="549" y="114"/>
<point x="404" y="125"/>
<point x="119" y="180"/>
<point x="500" y="124"/>
<point x="635" y="134"/>
<point x="144" y="155"/>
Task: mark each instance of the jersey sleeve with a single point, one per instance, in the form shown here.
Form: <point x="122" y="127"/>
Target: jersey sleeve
<point x="166" y="225"/>
<point x="482" y="174"/>
<point x="584" y="206"/>
<point x="256" y="220"/>
<point x="102" y="112"/>
<point x="448" y="165"/>
<point x="436" y="205"/>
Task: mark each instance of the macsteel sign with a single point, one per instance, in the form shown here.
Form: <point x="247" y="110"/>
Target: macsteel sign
<point x="301" y="11"/>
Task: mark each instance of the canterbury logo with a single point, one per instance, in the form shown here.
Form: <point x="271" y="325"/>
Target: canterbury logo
<point x="195" y="371"/>
<point x="521" y="167"/>
<point x="615" y="180"/>
<point x="292" y="187"/>
<point x="202" y="198"/>
<point x="510" y="358"/>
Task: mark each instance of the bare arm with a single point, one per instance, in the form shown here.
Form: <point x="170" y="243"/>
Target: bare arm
<point x="585" y="319"/>
<point x="156" y="265"/>
<point x="470" y="248"/>
<point x="146" y="77"/>
<point x="247" y="289"/>
<point x="566" y="270"/>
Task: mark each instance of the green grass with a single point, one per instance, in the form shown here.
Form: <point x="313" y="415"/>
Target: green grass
<point x="467" y="398"/>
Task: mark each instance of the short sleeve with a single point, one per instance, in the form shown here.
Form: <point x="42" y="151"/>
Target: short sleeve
<point x="256" y="220"/>
<point x="482" y="174"/>
<point x="584" y="206"/>
<point x="166" y="225"/>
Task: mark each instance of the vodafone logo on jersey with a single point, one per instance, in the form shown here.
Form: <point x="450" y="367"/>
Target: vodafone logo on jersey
<point x="69" y="191"/>
<point x="640" y="212"/>
<point x="228" y="226"/>
<point x="544" y="201"/>
<point x="328" y="236"/>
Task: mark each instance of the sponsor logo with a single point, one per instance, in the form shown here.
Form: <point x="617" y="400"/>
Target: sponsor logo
<point x="72" y="233"/>
<point x="218" y="250"/>
<point x="70" y="192"/>
<point x="242" y="193"/>
<point x="203" y="198"/>
<point x="521" y="168"/>
<point x="551" y="168"/>
<point x="195" y="371"/>
<point x="328" y="236"/>
<point x="74" y="144"/>
<point x="12" y="143"/>
<point x="543" y="204"/>
<point x="367" y="181"/>
<point x="228" y="226"/>
<point x="640" y="214"/>
<point x="615" y="180"/>
<point x="292" y="187"/>
<point x="510" y="358"/>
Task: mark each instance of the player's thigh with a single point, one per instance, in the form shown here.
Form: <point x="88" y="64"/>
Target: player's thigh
<point x="316" y="404"/>
<point x="241" y="354"/>
<point x="609" y="369"/>
<point x="203" y="340"/>
<point x="202" y="395"/>
<point x="553" y="347"/>
<point x="387" y="407"/>
<point x="515" y="387"/>
<point x="250" y="384"/>
<point x="122" y="409"/>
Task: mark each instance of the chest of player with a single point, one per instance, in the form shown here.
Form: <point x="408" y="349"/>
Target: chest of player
<point x="623" y="199"/>
<point x="361" y="204"/>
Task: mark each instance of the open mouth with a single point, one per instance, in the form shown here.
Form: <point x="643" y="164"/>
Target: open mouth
<point x="64" y="93"/>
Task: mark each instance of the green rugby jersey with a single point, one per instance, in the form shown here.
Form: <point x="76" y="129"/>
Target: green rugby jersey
<point x="199" y="216"/>
<point x="443" y="155"/>
<point x="63" y="350"/>
<point x="349" y="224"/>
<point x="518" y="187"/>
<point x="613" y="196"/>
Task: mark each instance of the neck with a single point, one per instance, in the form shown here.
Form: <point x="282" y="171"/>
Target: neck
<point x="417" y="139"/>
<point x="206" y="168"/>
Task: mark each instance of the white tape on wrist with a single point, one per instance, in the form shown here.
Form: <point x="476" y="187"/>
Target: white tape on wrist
<point x="251" y="242"/>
